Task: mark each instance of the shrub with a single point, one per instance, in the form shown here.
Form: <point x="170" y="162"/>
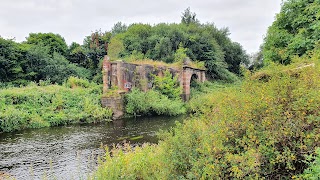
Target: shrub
<point x="313" y="172"/>
<point x="152" y="102"/>
<point x="74" y="82"/>
<point x="167" y="85"/>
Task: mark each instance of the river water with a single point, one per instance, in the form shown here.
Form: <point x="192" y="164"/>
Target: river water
<point x="70" y="152"/>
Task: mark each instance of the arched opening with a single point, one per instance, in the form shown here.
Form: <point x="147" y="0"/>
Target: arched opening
<point x="194" y="85"/>
<point x="194" y="81"/>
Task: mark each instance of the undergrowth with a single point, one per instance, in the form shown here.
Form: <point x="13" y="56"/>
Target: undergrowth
<point x="152" y="103"/>
<point x="163" y="99"/>
<point x="37" y="106"/>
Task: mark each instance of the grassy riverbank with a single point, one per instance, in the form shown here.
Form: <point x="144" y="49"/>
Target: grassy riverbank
<point x="261" y="128"/>
<point x="78" y="101"/>
<point x="40" y="105"/>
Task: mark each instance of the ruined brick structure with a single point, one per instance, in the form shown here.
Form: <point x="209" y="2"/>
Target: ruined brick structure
<point x="124" y="76"/>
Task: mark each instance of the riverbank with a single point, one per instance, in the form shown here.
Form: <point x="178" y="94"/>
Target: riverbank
<point x="41" y="105"/>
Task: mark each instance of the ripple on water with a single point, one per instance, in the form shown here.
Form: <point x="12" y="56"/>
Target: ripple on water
<point x="71" y="152"/>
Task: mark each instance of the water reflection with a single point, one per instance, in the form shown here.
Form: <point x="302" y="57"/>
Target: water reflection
<point x="70" y="152"/>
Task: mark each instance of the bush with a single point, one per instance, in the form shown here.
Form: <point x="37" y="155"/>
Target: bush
<point x="74" y="82"/>
<point x="313" y="172"/>
<point x="167" y="85"/>
<point x="152" y="102"/>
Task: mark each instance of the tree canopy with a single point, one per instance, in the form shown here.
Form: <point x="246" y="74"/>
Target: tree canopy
<point x="188" y="17"/>
<point x="10" y="60"/>
<point x="295" y="32"/>
<point x="21" y="63"/>
<point x="169" y="42"/>
<point x="55" y="42"/>
<point x="47" y="56"/>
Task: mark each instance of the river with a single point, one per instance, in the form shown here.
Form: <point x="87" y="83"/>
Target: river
<point x="70" y="152"/>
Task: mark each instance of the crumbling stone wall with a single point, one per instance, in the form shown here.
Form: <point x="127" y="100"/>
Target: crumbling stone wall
<point x="115" y="103"/>
<point x="124" y="76"/>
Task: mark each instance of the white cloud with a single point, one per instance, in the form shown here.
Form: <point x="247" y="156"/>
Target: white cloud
<point x="74" y="19"/>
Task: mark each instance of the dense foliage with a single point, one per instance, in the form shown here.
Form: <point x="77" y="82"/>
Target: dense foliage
<point x="54" y="42"/>
<point x="295" y="32"/>
<point x="200" y="42"/>
<point x="313" y="172"/>
<point x="10" y="61"/>
<point x="261" y="128"/>
<point x="266" y="127"/>
<point x="22" y="63"/>
<point x="43" y="105"/>
<point x="163" y="99"/>
<point x="152" y="103"/>
<point x="167" y="85"/>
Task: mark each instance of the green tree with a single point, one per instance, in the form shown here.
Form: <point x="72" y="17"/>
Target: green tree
<point x="115" y="48"/>
<point x="37" y="58"/>
<point x="58" y="69"/>
<point x="163" y="50"/>
<point x="213" y="57"/>
<point x="96" y="46"/>
<point x="235" y="56"/>
<point x="10" y="61"/>
<point x="189" y="17"/>
<point x="40" y="65"/>
<point x="55" y="42"/>
<point x="136" y="38"/>
<point x="201" y="42"/>
<point x="78" y="55"/>
<point x="119" y="28"/>
<point x="180" y="54"/>
<point x="257" y="59"/>
<point x="295" y="32"/>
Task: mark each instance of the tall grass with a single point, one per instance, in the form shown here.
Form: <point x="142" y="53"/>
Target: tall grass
<point x="36" y="106"/>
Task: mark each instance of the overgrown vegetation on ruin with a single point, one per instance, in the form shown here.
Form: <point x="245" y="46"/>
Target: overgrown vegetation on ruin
<point x="163" y="99"/>
<point x="152" y="103"/>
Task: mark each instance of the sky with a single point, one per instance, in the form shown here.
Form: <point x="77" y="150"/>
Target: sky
<point x="247" y="20"/>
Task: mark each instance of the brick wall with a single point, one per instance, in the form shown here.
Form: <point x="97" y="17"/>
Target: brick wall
<point x="126" y="76"/>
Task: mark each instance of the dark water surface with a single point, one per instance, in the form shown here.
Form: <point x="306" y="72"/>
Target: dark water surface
<point x="70" y="152"/>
